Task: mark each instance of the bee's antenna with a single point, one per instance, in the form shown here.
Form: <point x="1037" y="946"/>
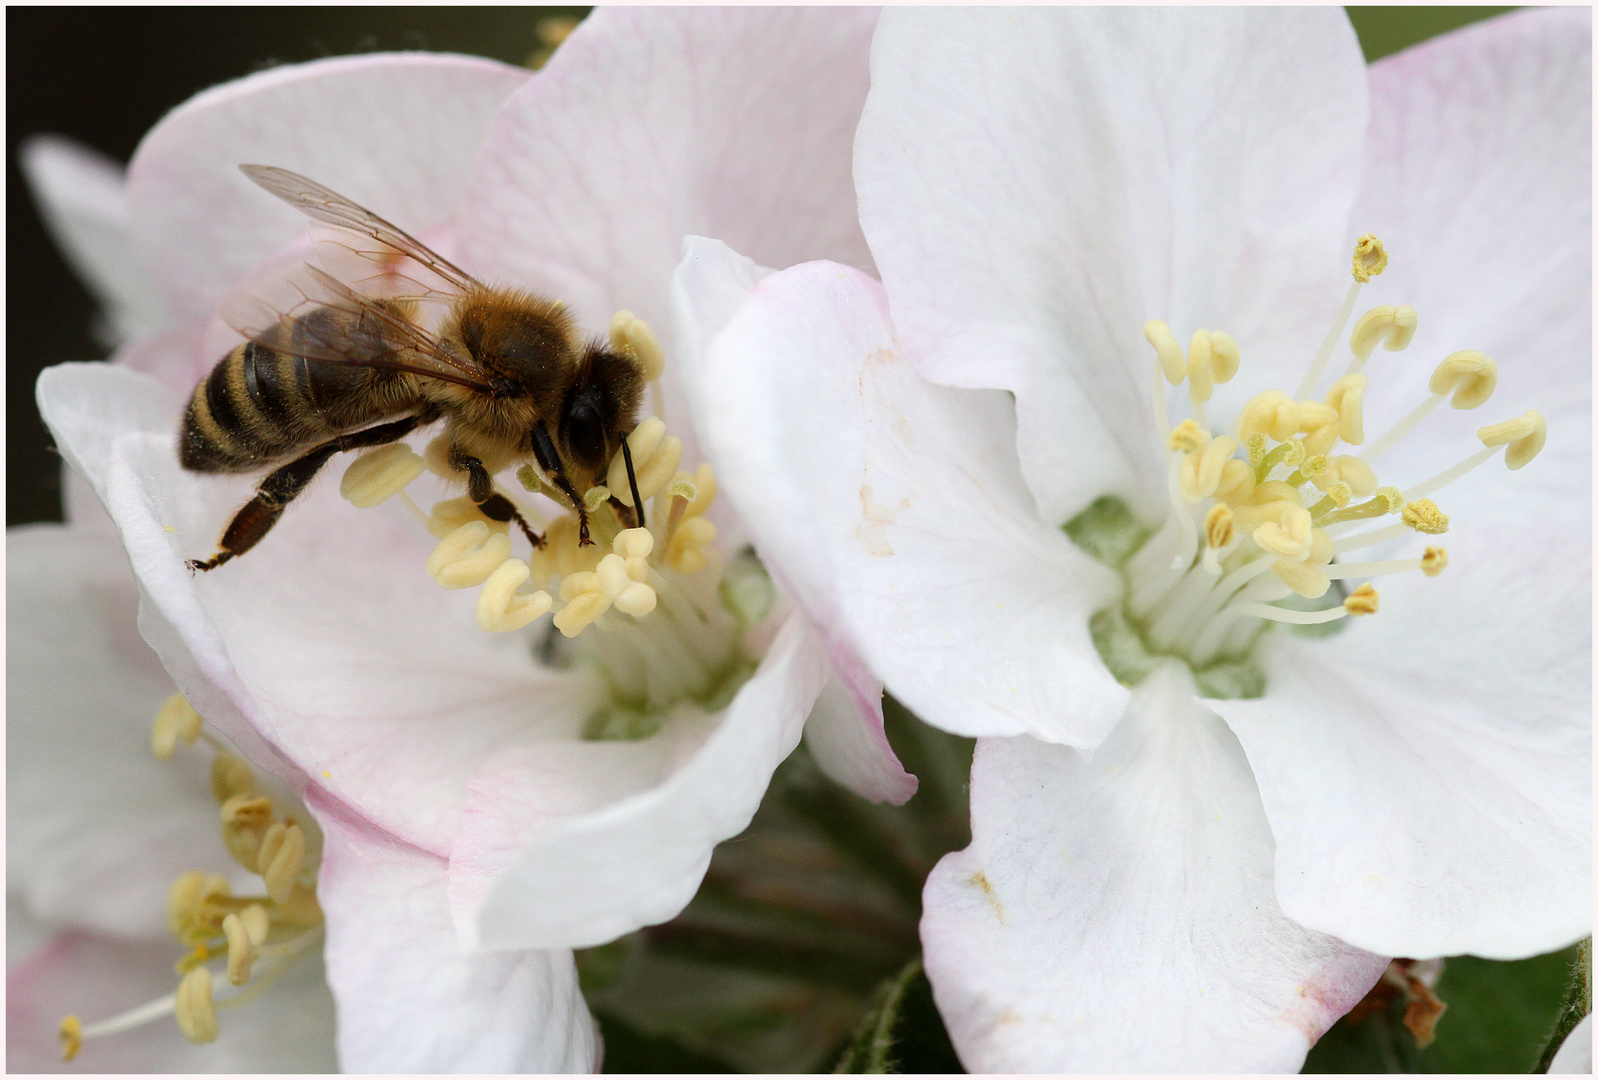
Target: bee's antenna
<point x="632" y="480"/>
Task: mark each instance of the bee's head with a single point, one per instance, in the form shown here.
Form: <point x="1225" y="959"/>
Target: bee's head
<point x="600" y="407"/>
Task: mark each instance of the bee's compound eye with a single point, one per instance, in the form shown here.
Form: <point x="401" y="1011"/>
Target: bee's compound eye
<point x="585" y="435"/>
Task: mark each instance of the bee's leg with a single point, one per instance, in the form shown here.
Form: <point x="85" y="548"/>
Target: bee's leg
<point x="280" y="487"/>
<point x="632" y="481"/>
<point x="480" y="486"/>
<point x="549" y="461"/>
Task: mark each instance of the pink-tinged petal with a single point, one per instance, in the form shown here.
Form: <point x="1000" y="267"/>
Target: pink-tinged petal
<point x="328" y="637"/>
<point x="97" y="412"/>
<point x="1478" y="179"/>
<point x="288" y="1029"/>
<point x="1427" y="771"/>
<point x="893" y="511"/>
<point x="410" y="998"/>
<point x="1575" y="1053"/>
<point x="396" y="132"/>
<point x="544" y="863"/>
<point x="1118" y="916"/>
<point x="96" y="827"/>
<point x="1037" y="183"/>
<point x="80" y="196"/>
<point x="650" y="124"/>
<point x="846" y="737"/>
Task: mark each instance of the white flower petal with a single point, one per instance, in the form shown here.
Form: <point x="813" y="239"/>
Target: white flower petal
<point x="1575" y="1053"/>
<point x="1427" y="772"/>
<point x="1037" y="183"/>
<point x="396" y="132"/>
<point x="551" y="864"/>
<point x="1117" y="916"/>
<point x="1479" y="181"/>
<point x="410" y="998"/>
<point x="846" y="737"/>
<point x="654" y="123"/>
<point x="96" y="827"/>
<point x="288" y="1029"/>
<point x="893" y="508"/>
<point x="80" y="197"/>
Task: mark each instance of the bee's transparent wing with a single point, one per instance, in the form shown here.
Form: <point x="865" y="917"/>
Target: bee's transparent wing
<point x="306" y="312"/>
<point x="374" y="240"/>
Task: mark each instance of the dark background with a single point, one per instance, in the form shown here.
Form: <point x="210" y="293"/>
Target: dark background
<point x="104" y="76"/>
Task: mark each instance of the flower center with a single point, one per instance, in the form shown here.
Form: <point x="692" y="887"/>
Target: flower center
<point x="657" y="613"/>
<point x="1261" y="521"/>
<point x="259" y="936"/>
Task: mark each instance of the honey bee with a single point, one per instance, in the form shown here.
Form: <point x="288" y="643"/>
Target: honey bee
<point x="328" y="368"/>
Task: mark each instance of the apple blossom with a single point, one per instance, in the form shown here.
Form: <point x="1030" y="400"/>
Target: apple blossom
<point x="483" y="785"/>
<point x="1250" y="821"/>
<point x="98" y="833"/>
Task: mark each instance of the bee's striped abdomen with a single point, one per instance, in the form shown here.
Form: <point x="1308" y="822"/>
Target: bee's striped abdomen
<point x="260" y="406"/>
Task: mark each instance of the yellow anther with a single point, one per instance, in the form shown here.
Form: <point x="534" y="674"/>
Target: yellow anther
<point x="194" y="1009"/>
<point x="634" y="543"/>
<point x="1201" y="472"/>
<point x="380" y="474"/>
<point x="1224" y="357"/>
<point x="1218" y="530"/>
<point x="562" y="552"/>
<point x="1307" y="580"/>
<point x="1313" y="415"/>
<point x="1166" y="349"/>
<point x="1273" y="491"/>
<point x="1237" y="482"/>
<point x="240" y="951"/>
<point x="451" y="514"/>
<point x="1288" y="535"/>
<point x="1393" y="326"/>
<point x="1200" y="366"/>
<point x="597" y="495"/>
<point x="1423" y="516"/>
<point x="1321" y="547"/>
<point x="1434" y="562"/>
<point x="175" y="721"/>
<point x="1468" y="375"/>
<point x="500" y="608"/>
<point x="230" y="776"/>
<point x="1370" y="258"/>
<point x="71" y="1032"/>
<point x="283" y="870"/>
<point x="188" y="894"/>
<point x="581" y="610"/>
<point x="631" y="336"/>
<point x="1188" y="437"/>
<point x="1271" y="413"/>
<point x="1362" y="601"/>
<point x="1524" y="435"/>
<point x="1347" y="399"/>
<point x="630" y="596"/>
<point x="689" y="543"/>
<point x="467" y="556"/>
<point x="1359" y="477"/>
<point x="257" y="924"/>
<point x="247" y="810"/>
<point x="1322" y="439"/>
<point x="271" y="843"/>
